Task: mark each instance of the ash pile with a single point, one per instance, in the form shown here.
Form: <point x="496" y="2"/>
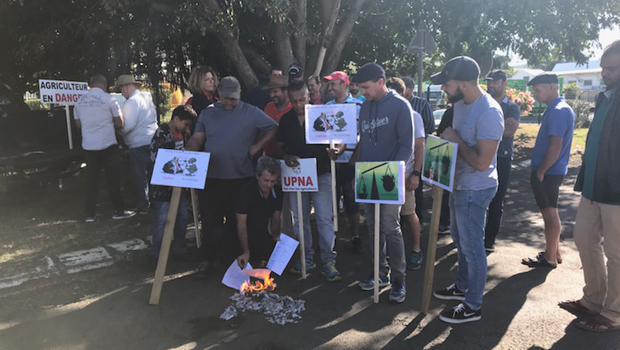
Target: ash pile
<point x="279" y="310"/>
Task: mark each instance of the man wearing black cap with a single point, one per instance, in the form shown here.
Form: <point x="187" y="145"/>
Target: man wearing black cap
<point x="295" y="73"/>
<point x="228" y="129"/>
<point x="550" y="158"/>
<point x="496" y="87"/>
<point x="477" y="128"/>
<point x="386" y="134"/>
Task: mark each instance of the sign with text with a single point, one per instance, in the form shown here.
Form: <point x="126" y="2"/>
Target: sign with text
<point x="439" y="162"/>
<point x="302" y="178"/>
<point x="331" y="123"/>
<point x="176" y="168"/>
<point x="61" y="91"/>
<point x="380" y="182"/>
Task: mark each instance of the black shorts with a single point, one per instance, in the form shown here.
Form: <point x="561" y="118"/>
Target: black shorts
<point x="546" y="192"/>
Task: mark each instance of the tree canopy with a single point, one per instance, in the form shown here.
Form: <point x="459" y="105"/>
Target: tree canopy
<point x="164" y="39"/>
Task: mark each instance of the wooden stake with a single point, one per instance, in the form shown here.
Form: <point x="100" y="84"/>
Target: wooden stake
<point x="192" y="192"/>
<point x="302" y="245"/>
<point x="377" y="233"/>
<point x="160" y="272"/>
<point x="431" y="251"/>
<point x="334" y="199"/>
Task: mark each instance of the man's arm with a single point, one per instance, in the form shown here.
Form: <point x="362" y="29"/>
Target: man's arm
<point x="480" y="156"/>
<point x="130" y="117"/>
<point x="404" y="132"/>
<point x="260" y="144"/>
<point x="78" y="124"/>
<point x="427" y="116"/>
<point x="413" y="181"/>
<point x="118" y="121"/>
<point x="196" y="142"/>
<point x="335" y="152"/>
<point x="242" y="233"/>
<point x="550" y="157"/>
<point x="275" y="225"/>
<point x="511" y="123"/>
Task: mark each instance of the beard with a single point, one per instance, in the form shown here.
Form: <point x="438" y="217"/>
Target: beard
<point x="458" y="95"/>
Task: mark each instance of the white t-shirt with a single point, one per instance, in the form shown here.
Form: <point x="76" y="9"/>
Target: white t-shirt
<point x="418" y="131"/>
<point x="95" y="111"/>
<point x="140" y="120"/>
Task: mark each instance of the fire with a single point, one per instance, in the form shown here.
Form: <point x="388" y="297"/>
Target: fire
<point x="250" y="287"/>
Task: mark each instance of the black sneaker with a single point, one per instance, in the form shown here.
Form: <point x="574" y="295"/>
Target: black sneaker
<point x="356" y="243"/>
<point x="489" y="248"/>
<point x="450" y="293"/>
<point x="460" y="314"/>
<point x="444" y="230"/>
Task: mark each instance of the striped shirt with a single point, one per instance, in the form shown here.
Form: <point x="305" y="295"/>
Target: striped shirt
<point x="424" y="108"/>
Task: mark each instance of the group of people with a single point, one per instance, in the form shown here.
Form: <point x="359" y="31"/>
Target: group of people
<point x="244" y="211"/>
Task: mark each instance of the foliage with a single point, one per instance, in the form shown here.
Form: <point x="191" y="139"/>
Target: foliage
<point x="572" y="91"/>
<point x="582" y="112"/>
<point x="523" y="99"/>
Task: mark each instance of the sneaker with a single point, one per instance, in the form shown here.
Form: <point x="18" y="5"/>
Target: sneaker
<point x="489" y="248"/>
<point x="203" y="270"/>
<point x="398" y="292"/>
<point x="450" y="293"/>
<point x="356" y="242"/>
<point x="89" y="219"/>
<point x="123" y="215"/>
<point x="310" y="266"/>
<point x="460" y="314"/>
<point x="330" y="272"/>
<point x="369" y="283"/>
<point x="415" y="260"/>
<point x="444" y="230"/>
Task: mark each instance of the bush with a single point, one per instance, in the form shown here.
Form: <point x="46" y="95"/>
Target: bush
<point x="582" y="112"/>
<point x="572" y="91"/>
<point x="523" y="99"/>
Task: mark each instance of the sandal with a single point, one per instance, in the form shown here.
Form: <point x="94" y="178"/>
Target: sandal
<point x="597" y="324"/>
<point x="575" y="306"/>
<point x="541" y="253"/>
<point x="538" y="261"/>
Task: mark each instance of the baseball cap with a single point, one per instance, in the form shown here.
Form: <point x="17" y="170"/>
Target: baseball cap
<point x="461" y="68"/>
<point x="295" y="71"/>
<point x="230" y="88"/>
<point x="338" y="75"/>
<point x="497" y="74"/>
<point x="544" y="78"/>
<point x="369" y="71"/>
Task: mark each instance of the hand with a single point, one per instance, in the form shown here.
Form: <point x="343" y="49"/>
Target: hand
<point x="276" y="237"/>
<point x="511" y="122"/>
<point x="333" y="153"/>
<point x="243" y="259"/>
<point x="540" y="175"/>
<point x="253" y="150"/>
<point x="412" y="183"/>
<point x="291" y="160"/>
<point x="450" y="135"/>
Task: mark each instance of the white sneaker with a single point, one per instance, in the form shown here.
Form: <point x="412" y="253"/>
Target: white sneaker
<point x="123" y="215"/>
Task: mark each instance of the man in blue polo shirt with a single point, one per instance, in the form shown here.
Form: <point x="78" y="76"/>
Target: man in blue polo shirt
<point x="550" y="164"/>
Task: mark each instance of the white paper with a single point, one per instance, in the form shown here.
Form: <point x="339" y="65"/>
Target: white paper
<point x="282" y="254"/>
<point x="234" y="276"/>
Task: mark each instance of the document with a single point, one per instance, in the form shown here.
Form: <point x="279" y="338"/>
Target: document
<point x="234" y="276"/>
<point x="282" y="254"/>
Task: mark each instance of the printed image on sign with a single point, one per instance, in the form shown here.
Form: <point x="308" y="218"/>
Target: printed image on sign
<point x="380" y="182"/>
<point x="439" y="162"/>
<point x="302" y="178"/>
<point x="60" y="91"/>
<point x="180" y="168"/>
<point x="331" y="123"/>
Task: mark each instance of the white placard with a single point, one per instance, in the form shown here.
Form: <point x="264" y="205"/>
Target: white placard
<point x="331" y="123"/>
<point x="180" y="168"/>
<point x="302" y="178"/>
<point x="282" y="254"/>
<point x="61" y="91"/>
<point x="234" y="276"/>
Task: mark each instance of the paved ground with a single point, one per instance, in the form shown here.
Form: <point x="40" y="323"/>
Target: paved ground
<point x="69" y="306"/>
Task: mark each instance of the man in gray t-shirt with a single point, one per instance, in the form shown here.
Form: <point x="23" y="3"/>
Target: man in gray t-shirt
<point x="477" y="129"/>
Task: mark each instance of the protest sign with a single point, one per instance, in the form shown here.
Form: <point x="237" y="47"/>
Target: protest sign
<point x="177" y="168"/>
<point x="335" y="123"/>
<point x="380" y="182"/>
<point x="302" y="178"/>
<point x="60" y="91"/>
<point x="439" y="162"/>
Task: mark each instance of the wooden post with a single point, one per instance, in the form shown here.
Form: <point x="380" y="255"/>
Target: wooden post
<point x="160" y="272"/>
<point x="302" y="245"/>
<point x="69" y="132"/>
<point x="334" y="199"/>
<point x="376" y="252"/>
<point x="192" y="192"/>
<point x="431" y="250"/>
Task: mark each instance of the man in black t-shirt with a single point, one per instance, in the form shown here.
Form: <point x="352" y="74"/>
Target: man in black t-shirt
<point x="257" y="203"/>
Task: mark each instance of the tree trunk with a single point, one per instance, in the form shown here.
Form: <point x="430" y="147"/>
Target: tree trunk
<point x="329" y="14"/>
<point x="341" y="36"/>
<point x="257" y="61"/>
<point x="282" y="45"/>
<point x="300" y="39"/>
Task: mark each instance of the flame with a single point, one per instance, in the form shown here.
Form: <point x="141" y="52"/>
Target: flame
<point x="267" y="284"/>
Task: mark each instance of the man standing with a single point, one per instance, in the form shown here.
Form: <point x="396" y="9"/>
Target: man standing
<point x="550" y="158"/>
<point x="496" y="87"/>
<point x="229" y="130"/>
<point x="386" y="134"/>
<point x="291" y="147"/>
<point x="97" y="115"/>
<point x="140" y="126"/>
<point x="314" y="88"/>
<point x="295" y="73"/>
<point x="337" y="87"/>
<point x="597" y="227"/>
<point x="355" y="91"/>
<point x="477" y="128"/>
<point x="279" y="105"/>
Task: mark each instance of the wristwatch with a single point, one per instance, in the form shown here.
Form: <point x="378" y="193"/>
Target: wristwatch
<point x="416" y="173"/>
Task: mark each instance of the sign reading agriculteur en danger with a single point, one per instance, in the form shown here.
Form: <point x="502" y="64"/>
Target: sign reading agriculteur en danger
<point x="61" y="91"/>
<point x="302" y="178"/>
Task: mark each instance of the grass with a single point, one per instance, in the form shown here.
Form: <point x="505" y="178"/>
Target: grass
<point x="526" y="137"/>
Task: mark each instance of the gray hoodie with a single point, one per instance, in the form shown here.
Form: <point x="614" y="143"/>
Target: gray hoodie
<point x="386" y="129"/>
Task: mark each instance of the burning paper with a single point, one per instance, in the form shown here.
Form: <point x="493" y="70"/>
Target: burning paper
<point x="279" y="310"/>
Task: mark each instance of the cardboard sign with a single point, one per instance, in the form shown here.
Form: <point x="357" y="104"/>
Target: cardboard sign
<point x="302" y="178"/>
<point x="380" y="182"/>
<point x="60" y="91"/>
<point x="176" y="168"/>
<point x="331" y="123"/>
<point x="439" y="162"/>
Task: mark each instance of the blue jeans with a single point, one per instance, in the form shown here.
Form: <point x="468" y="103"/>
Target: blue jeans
<point x="322" y="202"/>
<point x="468" y="211"/>
<point x="179" y="244"/>
<point x="140" y="159"/>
